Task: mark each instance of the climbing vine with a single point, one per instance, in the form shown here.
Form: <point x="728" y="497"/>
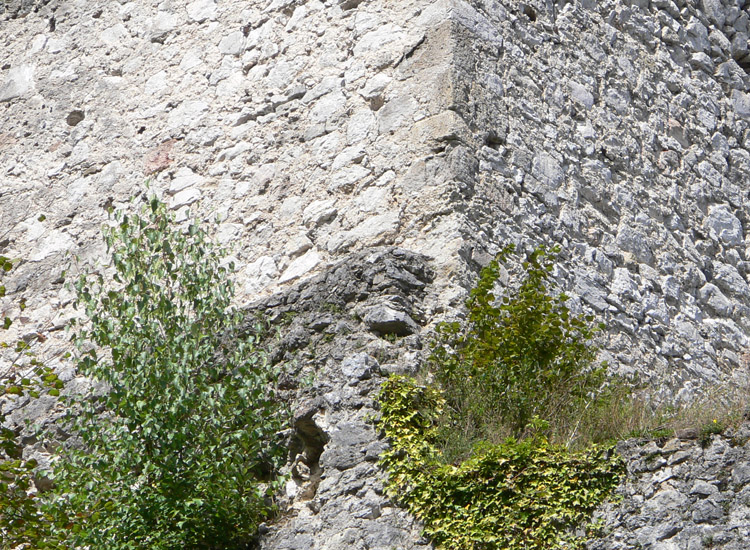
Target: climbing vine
<point x="472" y="456"/>
<point x="515" y="495"/>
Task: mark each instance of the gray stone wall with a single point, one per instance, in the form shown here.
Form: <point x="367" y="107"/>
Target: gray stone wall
<point x="335" y="357"/>
<point x="303" y="126"/>
<point x="618" y="130"/>
<point x="681" y="494"/>
<point x="316" y="130"/>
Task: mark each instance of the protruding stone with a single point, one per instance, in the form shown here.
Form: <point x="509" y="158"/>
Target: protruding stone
<point x="183" y="179"/>
<point x="299" y="267"/>
<point x="580" y="94"/>
<point x="186" y="197"/>
<point x="232" y="43"/>
<point x="319" y="212"/>
<point x="724" y="226"/>
<point x="386" y="320"/>
<point x="360" y="366"/>
<point x="201" y="10"/>
<point x="18" y="82"/>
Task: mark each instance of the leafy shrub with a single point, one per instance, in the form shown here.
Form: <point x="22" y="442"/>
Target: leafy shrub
<point x="179" y="450"/>
<point x="519" y="366"/>
<point x="512" y="496"/>
<point x="517" y="373"/>
<point x="22" y="523"/>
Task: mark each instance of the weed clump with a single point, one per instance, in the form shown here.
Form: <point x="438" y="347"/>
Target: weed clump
<point x="520" y="365"/>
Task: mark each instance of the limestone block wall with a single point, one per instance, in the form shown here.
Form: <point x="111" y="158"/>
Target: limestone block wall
<point x="619" y="130"/>
<point x="309" y="128"/>
<point x="316" y="130"/>
<point x="616" y="130"/>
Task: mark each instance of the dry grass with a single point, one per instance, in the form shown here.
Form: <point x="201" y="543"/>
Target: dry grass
<point x="629" y="414"/>
<point x="621" y="412"/>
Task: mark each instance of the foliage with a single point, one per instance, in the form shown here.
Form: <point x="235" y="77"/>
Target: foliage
<point x="520" y="365"/>
<point x="22" y="524"/>
<point x="178" y="449"/>
<point x="515" y="495"/>
<point x="708" y="429"/>
<point x="515" y="374"/>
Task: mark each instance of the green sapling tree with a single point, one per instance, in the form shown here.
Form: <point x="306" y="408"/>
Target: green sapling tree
<point x="179" y="449"/>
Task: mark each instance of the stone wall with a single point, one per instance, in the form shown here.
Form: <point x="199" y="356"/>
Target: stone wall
<point x="299" y="124"/>
<point x="316" y="130"/>
<point x="619" y="131"/>
<point x="335" y="358"/>
<point x="681" y="494"/>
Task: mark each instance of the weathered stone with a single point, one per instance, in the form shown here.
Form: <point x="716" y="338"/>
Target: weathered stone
<point x="359" y="367"/>
<point x="114" y="36"/>
<point x="201" y="10"/>
<point x="232" y="43"/>
<point x="159" y="158"/>
<point x="298" y="245"/>
<point x="162" y="26"/>
<point x="17" y="82"/>
<point x="319" y="212"/>
<point x="711" y="296"/>
<point x="724" y="226"/>
<point x="259" y="274"/>
<point x="387" y="320"/>
<point x="741" y="103"/>
<point x="700" y="60"/>
<point x="741" y="474"/>
<point x="703" y="489"/>
<point x="705" y="511"/>
<point x="395" y="113"/>
<point x="186" y="197"/>
<point x="184" y="178"/>
<point x="347" y="446"/>
<point x="547" y="170"/>
<point x="714" y="11"/>
<point x="372" y="231"/>
<point x="580" y="94"/>
<point x="634" y="241"/>
<point x="729" y="280"/>
<point x="301" y="266"/>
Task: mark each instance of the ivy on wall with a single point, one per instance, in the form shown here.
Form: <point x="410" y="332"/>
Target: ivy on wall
<point x="515" y="495"/>
<point x="473" y="455"/>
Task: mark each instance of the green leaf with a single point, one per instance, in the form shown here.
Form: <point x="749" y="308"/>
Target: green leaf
<point x="181" y="453"/>
<point x="512" y="369"/>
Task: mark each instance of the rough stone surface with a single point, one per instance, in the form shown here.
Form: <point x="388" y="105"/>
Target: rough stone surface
<point x="594" y="128"/>
<point x="681" y="493"/>
<point x="335" y="498"/>
<point x="316" y="129"/>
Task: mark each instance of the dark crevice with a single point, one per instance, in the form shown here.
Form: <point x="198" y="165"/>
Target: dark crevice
<point x="529" y="12"/>
<point x="306" y="446"/>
